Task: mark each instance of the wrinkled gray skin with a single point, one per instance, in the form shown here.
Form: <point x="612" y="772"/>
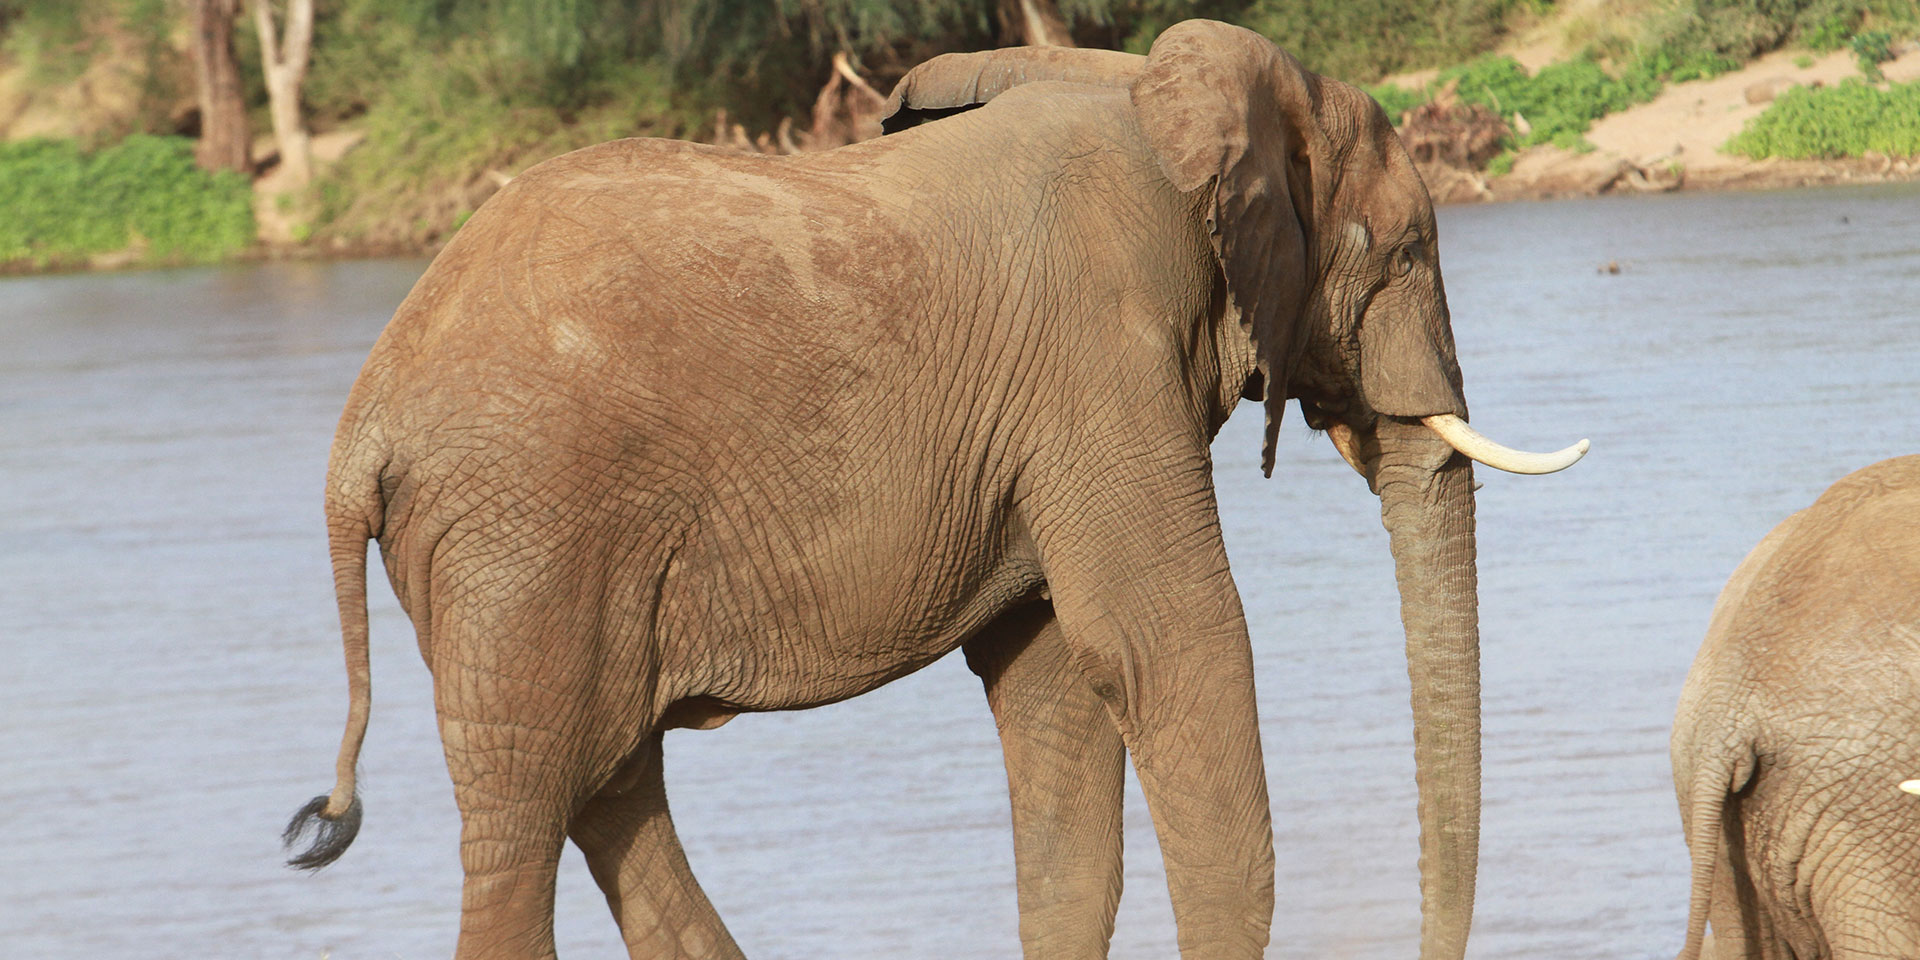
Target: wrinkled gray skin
<point x="1799" y="721"/>
<point x="667" y="434"/>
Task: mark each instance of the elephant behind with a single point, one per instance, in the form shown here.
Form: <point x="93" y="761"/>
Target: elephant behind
<point x="1798" y="726"/>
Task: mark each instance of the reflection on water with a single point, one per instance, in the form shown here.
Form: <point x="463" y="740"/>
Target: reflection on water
<point x="174" y="686"/>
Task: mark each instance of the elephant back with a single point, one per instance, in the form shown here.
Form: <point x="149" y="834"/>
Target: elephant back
<point x="956" y="82"/>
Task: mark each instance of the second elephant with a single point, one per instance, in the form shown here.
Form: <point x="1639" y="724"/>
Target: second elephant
<point x="1798" y="725"/>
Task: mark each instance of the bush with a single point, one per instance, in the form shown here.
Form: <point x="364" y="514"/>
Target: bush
<point x="1872" y="48"/>
<point x="438" y="129"/>
<point x="59" y="204"/>
<point x="1702" y="38"/>
<point x="1844" y="121"/>
<point x="1560" y="102"/>
<point x="1361" y="42"/>
<point x="1396" y="100"/>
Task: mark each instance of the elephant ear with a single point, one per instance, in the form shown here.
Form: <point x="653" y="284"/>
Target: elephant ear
<point x="1222" y="105"/>
<point x="954" y="82"/>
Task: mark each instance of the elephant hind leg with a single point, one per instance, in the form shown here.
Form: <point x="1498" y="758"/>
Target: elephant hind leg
<point x="511" y="835"/>
<point x="627" y="834"/>
<point x="528" y="741"/>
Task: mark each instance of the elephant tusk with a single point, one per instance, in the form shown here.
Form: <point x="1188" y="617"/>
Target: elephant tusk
<point x="1468" y="441"/>
<point x="1910" y="786"/>
<point x="1349" y="447"/>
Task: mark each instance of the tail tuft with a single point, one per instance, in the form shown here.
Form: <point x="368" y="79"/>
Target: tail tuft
<point x="331" y="835"/>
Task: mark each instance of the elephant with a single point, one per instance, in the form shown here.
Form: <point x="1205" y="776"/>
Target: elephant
<point x="1796" y="743"/>
<point x="667" y="434"/>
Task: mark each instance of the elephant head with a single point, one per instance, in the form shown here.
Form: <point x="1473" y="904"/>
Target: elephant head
<point x="1325" y="242"/>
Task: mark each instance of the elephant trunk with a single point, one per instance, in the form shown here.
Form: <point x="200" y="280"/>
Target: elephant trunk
<point x="1426" y="504"/>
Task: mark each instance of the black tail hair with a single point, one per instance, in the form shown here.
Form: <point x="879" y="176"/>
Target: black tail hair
<point x="330" y="835"/>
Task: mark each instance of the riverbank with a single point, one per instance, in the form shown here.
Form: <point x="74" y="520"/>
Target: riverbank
<point x="1674" y="142"/>
<point x="1542" y="174"/>
<point x="1574" y="98"/>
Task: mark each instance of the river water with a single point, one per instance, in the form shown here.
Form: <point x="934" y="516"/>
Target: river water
<point x="172" y="685"/>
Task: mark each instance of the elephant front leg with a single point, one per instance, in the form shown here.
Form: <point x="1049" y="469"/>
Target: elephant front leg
<point x="1141" y="588"/>
<point x="1065" y="776"/>
<point x="627" y="835"/>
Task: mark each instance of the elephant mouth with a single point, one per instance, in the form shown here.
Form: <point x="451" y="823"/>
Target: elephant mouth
<point x="1358" y="448"/>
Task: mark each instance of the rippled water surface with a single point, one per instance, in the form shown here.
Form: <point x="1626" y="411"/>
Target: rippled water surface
<point x="173" y="688"/>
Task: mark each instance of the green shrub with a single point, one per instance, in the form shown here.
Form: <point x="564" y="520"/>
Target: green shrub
<point x="1361" y="42"/>
<point x="1396" y="100"/>
<point x="1844" y="121"/>
<point x="1701" y="38"/>
<point x="440" y="126"/>
<point x="59" y="204"/>
<point x="1559" y="103"/>
<point x="1872" y="48"/>
<point x="1827" y="35"/>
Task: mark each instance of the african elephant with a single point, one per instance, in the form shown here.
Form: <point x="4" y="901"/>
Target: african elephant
<point x="1799" y="729"/>
<point x="667" y="434"/>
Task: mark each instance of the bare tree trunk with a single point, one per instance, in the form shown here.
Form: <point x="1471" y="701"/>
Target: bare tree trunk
<point x="283" y="58"/>
<point x="1032" y="23"/>
<point x="846" y="111"/>
<point x="223" y="107"/>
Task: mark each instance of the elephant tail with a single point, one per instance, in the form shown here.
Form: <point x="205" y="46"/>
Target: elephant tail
<point x="1716" y="778"/>
<point x="354" y="510"/>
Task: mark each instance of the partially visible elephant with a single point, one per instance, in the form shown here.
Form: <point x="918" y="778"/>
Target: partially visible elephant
<point x="668" y="434"/>
<point x="1798" y="730"/>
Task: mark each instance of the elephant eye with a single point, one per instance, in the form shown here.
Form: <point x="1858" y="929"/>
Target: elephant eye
<point x="1402" y="261"/>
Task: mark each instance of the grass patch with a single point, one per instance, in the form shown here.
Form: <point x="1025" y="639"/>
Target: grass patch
<point x="60" y="204"/>
<point x="1844" y="121"/>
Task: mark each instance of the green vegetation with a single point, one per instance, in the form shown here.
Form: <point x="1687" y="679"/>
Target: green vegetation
<point x="455" y="95"/>
<point x="1362" y="42"/>
<point x="1702" y="38"/>
<point x="1636" y="49"/>
<point x="1844" y="121"/>
<point x="1872" y="48"/>
<point x="1559" y="103"/>
<point x="441" y="124"/>
<point x="450" y="92"/>
<point x="1396" y="100"/>
<point x="61" y="205"/>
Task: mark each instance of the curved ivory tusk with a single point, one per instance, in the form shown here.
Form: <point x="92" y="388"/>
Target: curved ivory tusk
<point x="1910" y="786"/>
<point x="1467" y="440"/>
